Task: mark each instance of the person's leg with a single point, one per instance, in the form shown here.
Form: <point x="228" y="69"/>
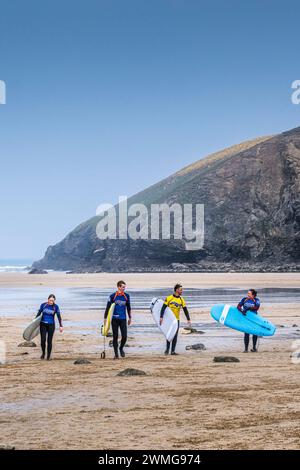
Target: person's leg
<point x="43" y="331"/>
<point x="168" y="347"/>
<point x="174" y="342"/>
<point x="123" y="328"/>
<point x="51" y="329"/>
<point x="246" y="341"/>
<point x="254" y="338"/>
<point x="115" y="328"/>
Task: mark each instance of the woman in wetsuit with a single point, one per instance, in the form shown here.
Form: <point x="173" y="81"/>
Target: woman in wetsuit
<point x="48" y="310"/>
<point x="252" y="303"/>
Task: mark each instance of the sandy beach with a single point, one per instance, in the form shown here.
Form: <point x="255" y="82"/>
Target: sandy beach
<point x="143" y="280"/>
<point x="183" y="402"/>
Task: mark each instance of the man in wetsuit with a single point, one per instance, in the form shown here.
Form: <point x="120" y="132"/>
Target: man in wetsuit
<point x="252" y="303"/>
<point x="119" y="319"/>
<point x="175" y="302"/>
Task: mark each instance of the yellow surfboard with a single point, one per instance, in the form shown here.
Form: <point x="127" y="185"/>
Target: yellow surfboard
<point x="105" y="328"/>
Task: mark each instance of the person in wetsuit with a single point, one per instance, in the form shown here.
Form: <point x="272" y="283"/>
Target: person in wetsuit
<point x="48" y="310"/>
<point x="119" y="319"/>
<point x="252" y="303"/>
<point x="175" y="302"/>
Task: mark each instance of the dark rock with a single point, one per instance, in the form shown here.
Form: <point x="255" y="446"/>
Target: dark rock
<point x="295" y="355"/>
<point x="27" y="344"/>
<point x="24" y="353"/>
<point x="295" y="326"/>
<point x="255" y="182"/>
<point x="37" y="271"/>
<point x="226" y="359"/>
<point x="82" y="361"/>
<point x="193" y="330"/>
<point x="131" y="372"/>
<point x="6" y="447"/>
<point x="197" y="347"/>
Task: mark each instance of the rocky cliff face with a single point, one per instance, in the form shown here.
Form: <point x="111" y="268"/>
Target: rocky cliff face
<point x="251" y="195"/>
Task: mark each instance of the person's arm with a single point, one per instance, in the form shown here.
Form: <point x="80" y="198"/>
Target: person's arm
<point x="59" y="316"/>
<point x="240" y="306"/>
<point x="256" y="306"/>
<point x="40" y="310"/>
<point x="163" y="308"/>
<point x="128" y="306"/>
<point x="186" y="312"/>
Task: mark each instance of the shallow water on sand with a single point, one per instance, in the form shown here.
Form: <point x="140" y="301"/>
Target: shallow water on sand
<point x="83" y="308"/>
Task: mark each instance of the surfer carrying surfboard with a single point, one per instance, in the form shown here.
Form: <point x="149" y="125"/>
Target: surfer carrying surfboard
<point x="175" y="302"/>
<point x="252" y="303"/>
<point x="119" y="318"/>
<point x="48" y="310"/>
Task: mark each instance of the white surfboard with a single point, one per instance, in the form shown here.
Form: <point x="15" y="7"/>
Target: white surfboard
<point x="169" y="325"/>
<point x="33" y="329"/>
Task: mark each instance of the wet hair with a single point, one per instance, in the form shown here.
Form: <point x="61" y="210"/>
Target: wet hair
<point x="51" y="296"/>
<point x="177" y="286"/>
<point x="120" y="283"/>
<point x="254" y="292"/>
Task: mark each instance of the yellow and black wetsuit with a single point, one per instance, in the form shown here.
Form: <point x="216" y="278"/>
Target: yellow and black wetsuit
<point x="175" y="303"/>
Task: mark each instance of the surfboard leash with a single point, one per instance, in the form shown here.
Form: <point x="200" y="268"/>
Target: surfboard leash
<point x="103" y="354"/>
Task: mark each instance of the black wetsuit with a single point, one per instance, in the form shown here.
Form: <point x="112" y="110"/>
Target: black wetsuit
<point x="247" y="340"/>
<point x="47" y="332"/>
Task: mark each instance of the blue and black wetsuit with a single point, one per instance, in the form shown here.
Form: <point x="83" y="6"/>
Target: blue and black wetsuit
<point x="47" y="326"/>
<point x="119" y="319"/>
<point x="243" y="306"/>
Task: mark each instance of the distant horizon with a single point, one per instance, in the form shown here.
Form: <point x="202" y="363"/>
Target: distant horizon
<point x="14" y="260"/>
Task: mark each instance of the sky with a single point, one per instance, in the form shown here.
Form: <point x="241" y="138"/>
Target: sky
<point x="106" y="97"/>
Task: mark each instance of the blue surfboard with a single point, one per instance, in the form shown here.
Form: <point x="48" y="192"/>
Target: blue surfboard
<point x="249" y="323"/>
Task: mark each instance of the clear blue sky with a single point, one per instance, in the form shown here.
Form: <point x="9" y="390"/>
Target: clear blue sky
<point x="105" y="97"/>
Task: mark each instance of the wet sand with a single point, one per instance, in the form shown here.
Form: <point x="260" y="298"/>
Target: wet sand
<point x="184" y="402"/>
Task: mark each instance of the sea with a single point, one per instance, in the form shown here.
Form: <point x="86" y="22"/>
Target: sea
<point x="15" y="265"/>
